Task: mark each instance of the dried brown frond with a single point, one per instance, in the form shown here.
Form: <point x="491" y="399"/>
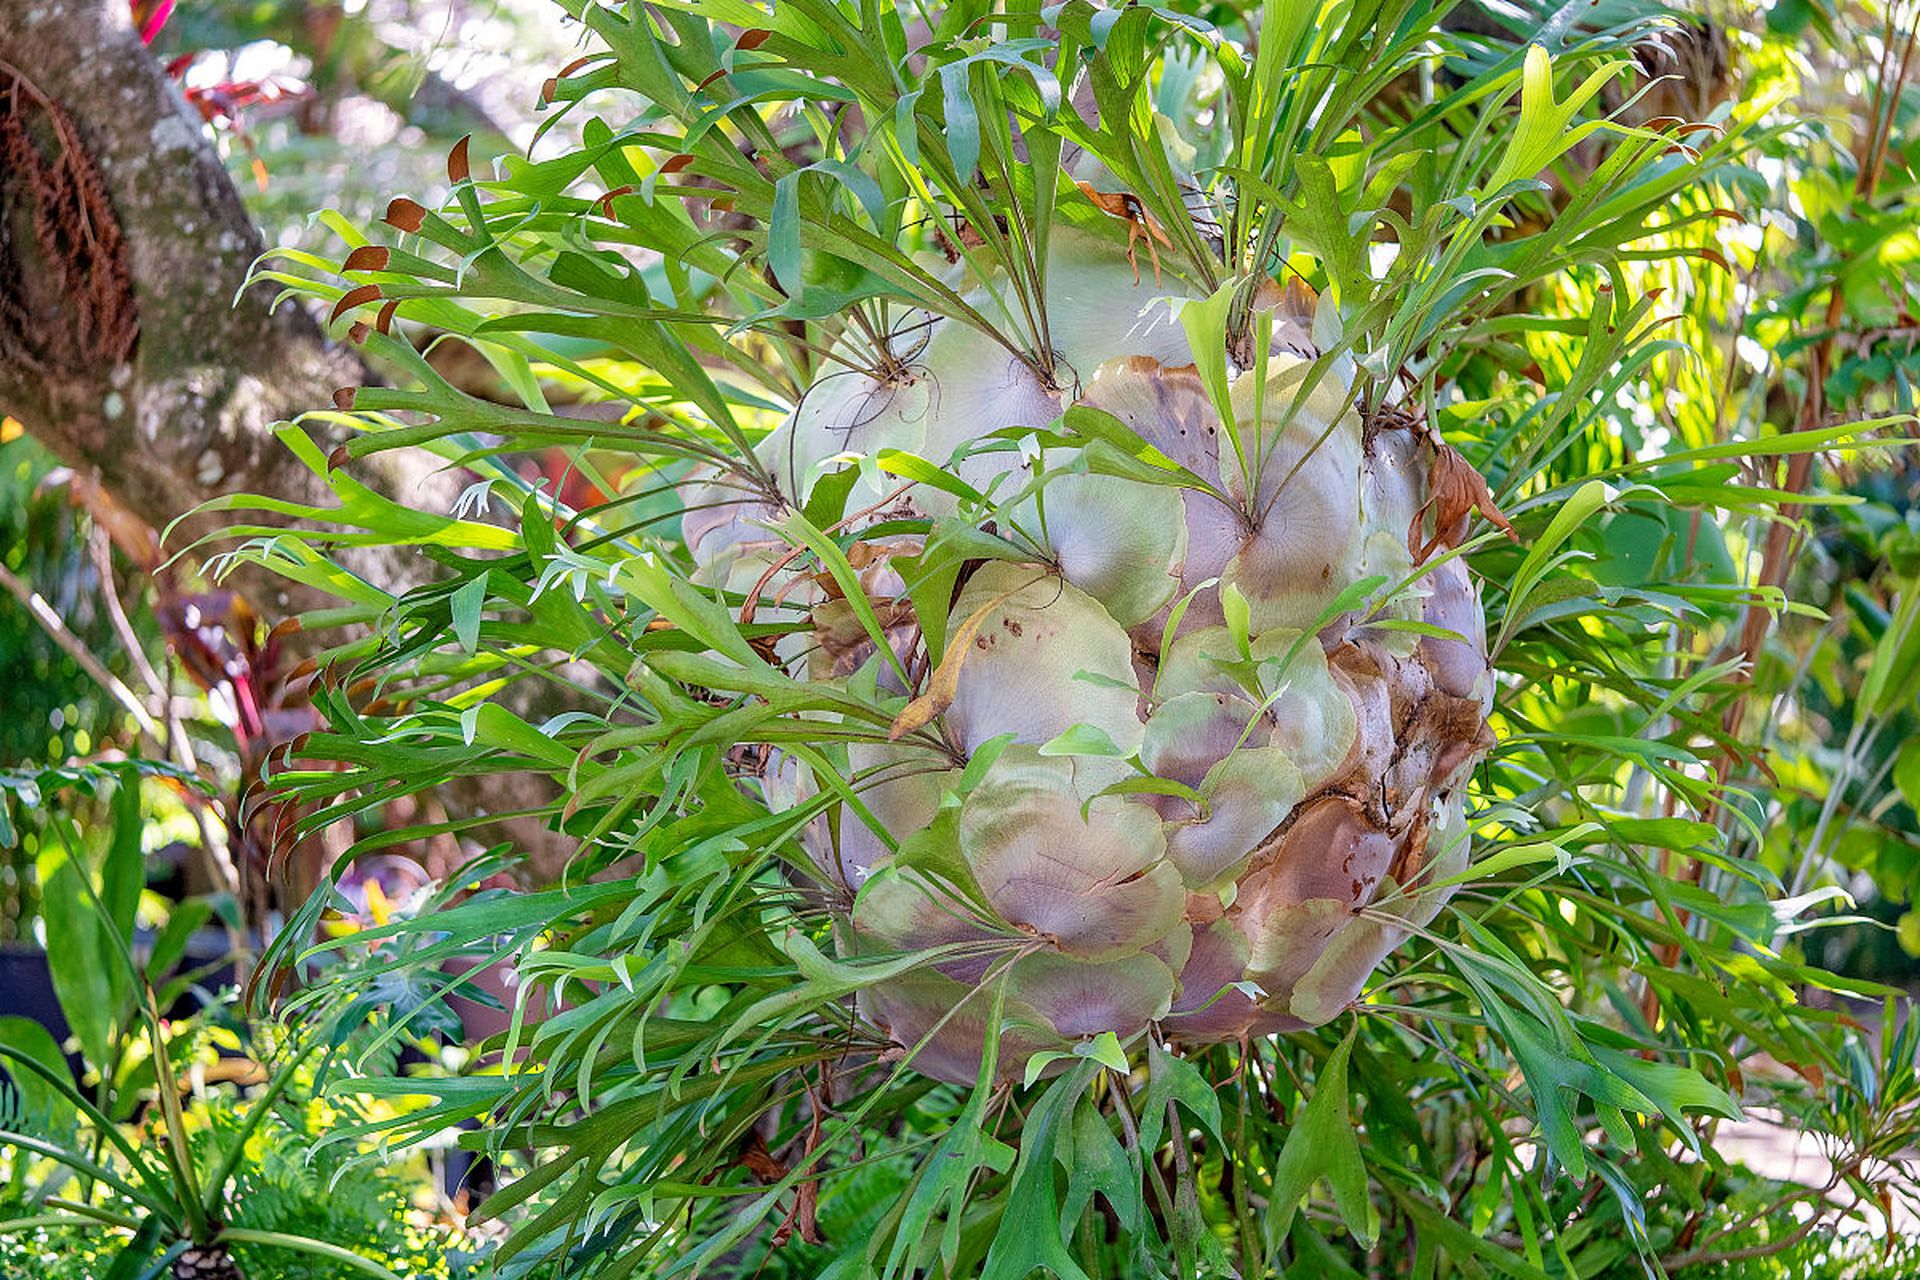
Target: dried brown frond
<point x="1454" y="492"/>
<point x="66" y="293"/>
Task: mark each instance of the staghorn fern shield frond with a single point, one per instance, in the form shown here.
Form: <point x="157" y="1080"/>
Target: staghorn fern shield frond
<point x="1079" y="531"/>
<point x="1167" y="757"/>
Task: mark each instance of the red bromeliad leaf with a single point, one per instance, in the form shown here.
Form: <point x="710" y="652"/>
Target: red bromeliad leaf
<point x="220" y="644"/>
<point x="218" y="104"/>
<point x="150" y="16"/>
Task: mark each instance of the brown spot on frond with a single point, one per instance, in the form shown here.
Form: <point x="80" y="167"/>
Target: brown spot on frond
<point x="352" y="298"/>
<point x="405" y="214"/>
<point x="458" y="169"/>
<point x="368" y="257"/>
<point x="606" y="201"/>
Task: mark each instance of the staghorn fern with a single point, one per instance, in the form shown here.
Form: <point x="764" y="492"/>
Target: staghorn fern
<point x="1191" y="740"/>
<point x="864" y="223"/>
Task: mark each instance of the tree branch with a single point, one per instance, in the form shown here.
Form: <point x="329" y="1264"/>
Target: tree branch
<point x="187" y="414"/>
<point x="71" y="645"/>
<point x="1703" y="1257"/>
<point x="125" y="344"/>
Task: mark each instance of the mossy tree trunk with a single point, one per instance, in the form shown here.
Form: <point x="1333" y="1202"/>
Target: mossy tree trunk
<point x="122" y="244"/>
<point x="123" y="347"/>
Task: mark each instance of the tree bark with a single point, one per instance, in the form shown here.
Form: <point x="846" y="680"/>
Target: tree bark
<point x="122" y="345"/>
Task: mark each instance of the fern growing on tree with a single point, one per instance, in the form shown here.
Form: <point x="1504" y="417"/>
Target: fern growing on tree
<point x="1114" y="647"/>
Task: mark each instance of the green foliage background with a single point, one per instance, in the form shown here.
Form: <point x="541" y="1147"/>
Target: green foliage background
<point x="1626" y="944"/>
<point x="1663" y="320"/>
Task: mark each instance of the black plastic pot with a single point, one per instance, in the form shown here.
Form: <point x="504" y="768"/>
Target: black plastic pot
<point x="26" y="988"/>
<point x="26" y="991"/>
